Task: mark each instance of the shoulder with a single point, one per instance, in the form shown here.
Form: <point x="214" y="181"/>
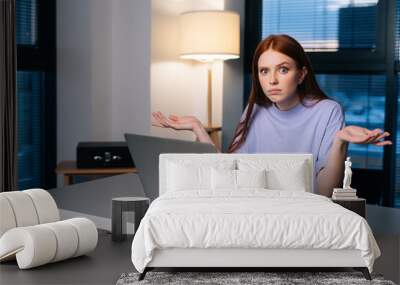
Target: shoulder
<point x="327" y="106"/>
<point x="331" y="104"/>
<point x="256" y="109"/>
<point x="328" y="112"/>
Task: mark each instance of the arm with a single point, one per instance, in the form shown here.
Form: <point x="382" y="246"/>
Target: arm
<point x="202" y="135"/>
<point x="330" y="176"/>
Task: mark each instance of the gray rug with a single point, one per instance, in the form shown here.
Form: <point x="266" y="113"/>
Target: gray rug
<point x="230" y="278"/>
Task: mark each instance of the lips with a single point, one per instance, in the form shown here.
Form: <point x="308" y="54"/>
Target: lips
<point x="274" y="91"/>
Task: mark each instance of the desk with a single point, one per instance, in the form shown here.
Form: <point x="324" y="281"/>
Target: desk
<point x="69" y="169"/>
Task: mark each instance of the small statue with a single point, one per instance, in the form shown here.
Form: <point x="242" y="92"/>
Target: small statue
<point x="347" y="174"/>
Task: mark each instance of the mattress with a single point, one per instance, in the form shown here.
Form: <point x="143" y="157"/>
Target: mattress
<point x="250" y="218"/>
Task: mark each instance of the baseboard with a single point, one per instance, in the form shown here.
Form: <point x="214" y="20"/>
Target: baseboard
<point x="100" y="222"/>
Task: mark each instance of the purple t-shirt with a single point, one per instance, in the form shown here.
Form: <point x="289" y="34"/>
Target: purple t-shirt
<point x="301" y="129"/>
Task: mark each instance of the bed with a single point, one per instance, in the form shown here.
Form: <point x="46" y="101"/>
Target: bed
<point x="246" y="211"/>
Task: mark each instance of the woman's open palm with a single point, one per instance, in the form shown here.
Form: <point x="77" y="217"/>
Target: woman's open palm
<point x="175" y="122"/>
<point x="359" y="135"/>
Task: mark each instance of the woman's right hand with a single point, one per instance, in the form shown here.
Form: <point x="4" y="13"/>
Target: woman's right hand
<point x="175" y="122"/>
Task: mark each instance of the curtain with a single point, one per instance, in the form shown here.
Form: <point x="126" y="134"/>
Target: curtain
<point x="8" y="108"/>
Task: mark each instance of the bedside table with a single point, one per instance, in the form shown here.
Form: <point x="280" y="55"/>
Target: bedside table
<point x="356" y="205"/>
<point x="138" y="205"/>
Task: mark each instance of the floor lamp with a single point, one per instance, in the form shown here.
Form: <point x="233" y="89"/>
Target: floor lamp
<point x="210" y="36"/>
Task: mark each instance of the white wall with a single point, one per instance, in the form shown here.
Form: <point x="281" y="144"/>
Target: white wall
<point x="131" y="38"/>
<point x="103" y="71"/>
<point x="117" y="61"/>
<point x="74" y="72"/>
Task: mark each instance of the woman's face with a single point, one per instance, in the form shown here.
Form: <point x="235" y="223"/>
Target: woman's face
<point x="279" y="77"/>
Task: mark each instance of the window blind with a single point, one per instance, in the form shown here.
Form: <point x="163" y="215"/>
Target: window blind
<point x="27" y="22"/>
<point x="323" y="25"/>
<point x="397" y="143"/>
<point x="30" y="131"/>
<point x="31" y="93"/>
<point x="397" y="37"/>
<point x="397" y="171"/>
<point x="363" y="100"/>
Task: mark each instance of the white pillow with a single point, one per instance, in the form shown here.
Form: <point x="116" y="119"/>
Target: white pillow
<point x="283" y="174"/>
<point x="237" y="179"/>
<point x="251" y="178"/>
<point x="184" y="174"/>
<point x="181" y="177"/>
<point x="223" y="179"/>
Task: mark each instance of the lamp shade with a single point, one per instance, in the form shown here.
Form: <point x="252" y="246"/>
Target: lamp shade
<point x="209" y="35"/>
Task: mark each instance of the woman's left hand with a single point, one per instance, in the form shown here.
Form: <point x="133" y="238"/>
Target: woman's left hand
<point x="359" y="135"/>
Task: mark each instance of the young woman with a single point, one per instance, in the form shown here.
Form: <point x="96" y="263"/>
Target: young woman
<point x="287" y="112"/>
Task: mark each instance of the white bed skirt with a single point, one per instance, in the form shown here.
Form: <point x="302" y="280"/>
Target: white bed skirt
<point x="193" y="257"/>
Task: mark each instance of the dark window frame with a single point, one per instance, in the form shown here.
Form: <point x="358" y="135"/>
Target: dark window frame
<point x="377" y="61"/>
<point x="42" y="57"/>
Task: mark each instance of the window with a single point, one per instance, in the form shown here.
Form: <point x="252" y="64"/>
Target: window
<point x="363" y="100"/>
<point x="397" y="70"/>
<point x="30" y="96"/>
<point x="349" y="43"/>
<point x="27" y="23"/>
<point x="397" y="171"/>
<point x="326" y="25"/>
<point x="36" y="94"/>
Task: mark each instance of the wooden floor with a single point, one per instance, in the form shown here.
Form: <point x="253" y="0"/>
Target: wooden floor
<point x="102" y="266"/>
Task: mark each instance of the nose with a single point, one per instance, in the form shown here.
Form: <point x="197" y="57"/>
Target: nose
<point x="273" y="80"/>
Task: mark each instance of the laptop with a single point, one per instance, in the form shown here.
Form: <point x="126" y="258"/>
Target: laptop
<point x="145" y="151"/>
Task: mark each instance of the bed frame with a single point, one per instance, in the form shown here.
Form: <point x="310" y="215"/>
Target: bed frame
<point x="240" y="259"/>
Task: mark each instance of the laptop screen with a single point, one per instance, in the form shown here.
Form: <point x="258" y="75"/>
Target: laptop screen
<point x="145" y="151"/>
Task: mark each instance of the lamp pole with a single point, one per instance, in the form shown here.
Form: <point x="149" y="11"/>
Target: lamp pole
<point x="209" y="94"/>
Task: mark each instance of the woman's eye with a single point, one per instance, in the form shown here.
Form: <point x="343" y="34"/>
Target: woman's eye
<point x="263" y="71"/>
<point x="283" y="69"/>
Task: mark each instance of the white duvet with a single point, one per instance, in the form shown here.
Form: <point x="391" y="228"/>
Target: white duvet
<point x="250" y="218"/>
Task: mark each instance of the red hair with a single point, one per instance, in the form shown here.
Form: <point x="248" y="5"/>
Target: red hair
<point x="307" y="89"/>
